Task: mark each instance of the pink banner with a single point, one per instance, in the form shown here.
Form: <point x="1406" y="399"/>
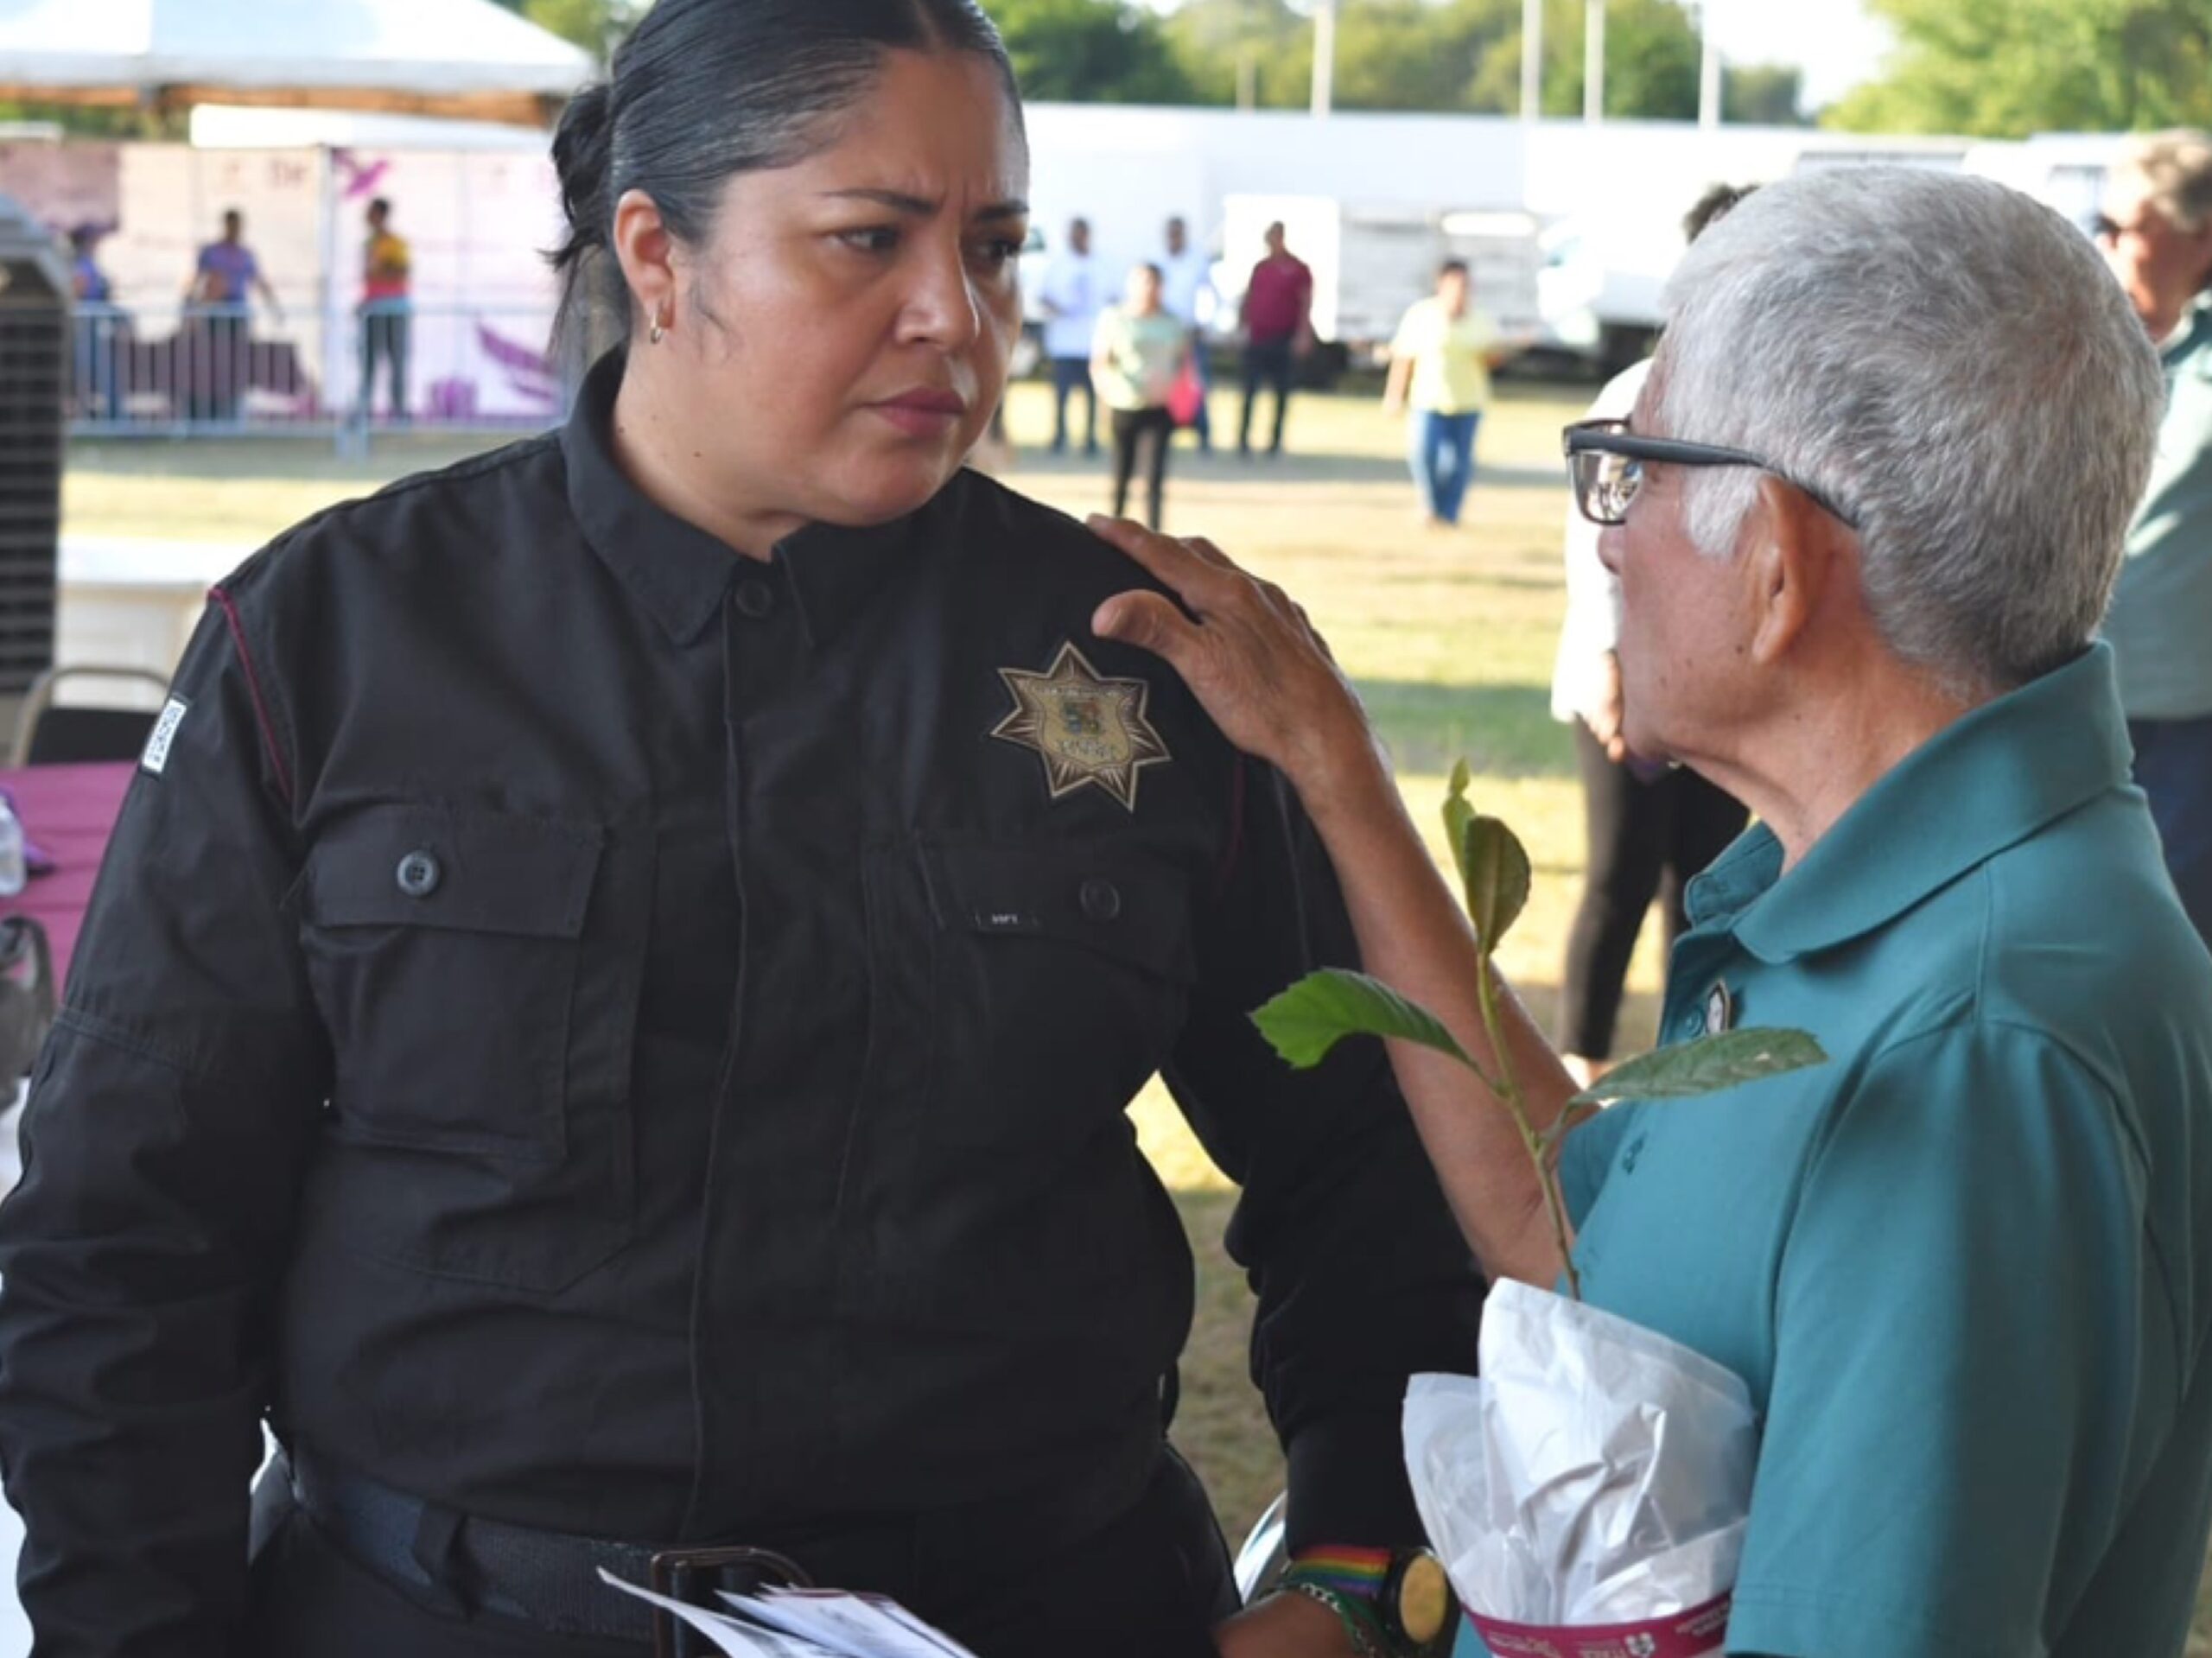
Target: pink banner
<point x="1694" y="1634"/>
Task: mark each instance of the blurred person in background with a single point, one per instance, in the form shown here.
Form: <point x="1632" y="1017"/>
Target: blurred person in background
<point x="1648" y="828"/>
<point x="99" y="331"/>
<point x="1439" y="370"/>
<point x="1072" y="295"/>
<point x="219" y="320"/>
<point x="1276" y="315"/>
<point x="387" y="318"/>
<point x="2156" y="231"/>
<point x="1187" y="291"/>
<point x="1142" y="346"/>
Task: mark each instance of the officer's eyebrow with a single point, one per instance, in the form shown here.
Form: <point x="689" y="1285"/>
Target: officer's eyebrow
<point x="922" y="207"/>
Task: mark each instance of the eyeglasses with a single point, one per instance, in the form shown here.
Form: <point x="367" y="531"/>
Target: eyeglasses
<point x="1605" y="462"/>
<point x="2106" y="228"/>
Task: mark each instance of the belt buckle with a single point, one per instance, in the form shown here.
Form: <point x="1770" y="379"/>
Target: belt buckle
<point x="691" y="1574"/>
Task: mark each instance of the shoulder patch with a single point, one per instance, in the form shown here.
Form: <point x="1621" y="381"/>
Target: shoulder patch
<point x="155" y="759"/>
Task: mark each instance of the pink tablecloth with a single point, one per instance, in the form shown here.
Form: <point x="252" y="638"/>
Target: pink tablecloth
<point x="68" y="812"/>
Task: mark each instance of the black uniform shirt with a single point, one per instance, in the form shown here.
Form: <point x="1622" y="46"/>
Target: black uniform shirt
<point x="605" y="1033"/>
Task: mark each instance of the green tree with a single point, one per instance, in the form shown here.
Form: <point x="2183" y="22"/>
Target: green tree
<point x="1091" y="51"/>
<point x="1442" y="54"/>
<point x="1226" y="45"/>
<point x="1762" y="94"/>
<point x="595" y="25"/>
<point x="1652" y="56"/>
<point x="2006" y="68"/>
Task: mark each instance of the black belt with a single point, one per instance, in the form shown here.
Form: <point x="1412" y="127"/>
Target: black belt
<point x="549" y="1579"/>
<point x="463" y="1563"/>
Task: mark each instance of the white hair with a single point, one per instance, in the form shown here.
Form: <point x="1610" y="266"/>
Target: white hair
<point x="2175" y="171"/>
<point x="1951" y="366"/>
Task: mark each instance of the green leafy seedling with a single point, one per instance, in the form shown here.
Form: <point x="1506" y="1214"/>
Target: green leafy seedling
<point x="1306" y="1021"/>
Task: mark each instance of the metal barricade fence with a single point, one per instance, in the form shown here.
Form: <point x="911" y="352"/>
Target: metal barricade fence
<point x="190" y="371"/>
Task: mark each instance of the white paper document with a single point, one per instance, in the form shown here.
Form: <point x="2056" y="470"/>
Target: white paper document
<point x="808" y="1623"/>
<point x="1596" y="1477"/>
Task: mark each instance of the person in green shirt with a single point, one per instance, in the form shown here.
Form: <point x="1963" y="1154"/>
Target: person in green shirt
<point x="1140" y="349"/>
<point x="1440" y="368"/>
<point x="1965" y="1267"/>
<point x="2156" y="231"/>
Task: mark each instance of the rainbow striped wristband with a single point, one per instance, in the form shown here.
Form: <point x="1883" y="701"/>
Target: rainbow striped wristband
<point x="1359" y="1572"/>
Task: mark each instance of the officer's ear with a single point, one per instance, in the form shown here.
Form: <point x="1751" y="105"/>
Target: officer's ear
<point x="643" y="244"/>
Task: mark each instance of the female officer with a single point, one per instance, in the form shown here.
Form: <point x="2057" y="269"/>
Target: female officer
<point x="609" y="1013"/>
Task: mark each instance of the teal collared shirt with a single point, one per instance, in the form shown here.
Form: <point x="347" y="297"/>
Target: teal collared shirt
<point x="2161" y="613"/>
<point x="1965" y="1267"/>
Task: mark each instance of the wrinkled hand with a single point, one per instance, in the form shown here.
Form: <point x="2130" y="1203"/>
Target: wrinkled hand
<point x="1251" y="658"/>
<point x="1605" y="721"/>
<point x="1283" y="1626"/>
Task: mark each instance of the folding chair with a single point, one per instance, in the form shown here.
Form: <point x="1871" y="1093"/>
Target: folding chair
<point x="48" y="733"/>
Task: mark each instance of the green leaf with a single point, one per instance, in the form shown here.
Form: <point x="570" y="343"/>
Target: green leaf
<point x="1321" y="1009"/>
<point x="1495" y="867"/>
<point x="1492" y="864"/>
<point x="1705" y="1066"/>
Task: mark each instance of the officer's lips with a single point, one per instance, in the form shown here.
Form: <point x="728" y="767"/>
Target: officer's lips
<point x="923" y="413"/>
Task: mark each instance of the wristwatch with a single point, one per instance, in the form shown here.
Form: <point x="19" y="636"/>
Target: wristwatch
<point x="1393" y="1602"/>
<point x="1416" y="1604"/>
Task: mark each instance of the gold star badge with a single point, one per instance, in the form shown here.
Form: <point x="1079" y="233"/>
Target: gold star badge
<point x="1087" y="730"/>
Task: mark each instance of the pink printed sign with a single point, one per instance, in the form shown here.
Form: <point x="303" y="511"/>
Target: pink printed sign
<point x="1697" y="1633"/>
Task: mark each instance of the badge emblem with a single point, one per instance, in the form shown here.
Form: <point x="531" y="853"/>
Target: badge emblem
<point x="1088" y="730"/>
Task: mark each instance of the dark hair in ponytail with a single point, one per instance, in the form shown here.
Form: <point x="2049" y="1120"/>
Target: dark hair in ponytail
<point x="702" y="90"/>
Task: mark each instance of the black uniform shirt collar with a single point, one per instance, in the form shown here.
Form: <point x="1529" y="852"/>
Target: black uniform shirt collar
<point x="679" y="571"/>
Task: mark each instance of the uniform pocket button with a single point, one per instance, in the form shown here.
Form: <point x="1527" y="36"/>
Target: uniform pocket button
<point x="755" y="599"/>
<point x="419" y="874"/>
<point x="1101" y="899"/>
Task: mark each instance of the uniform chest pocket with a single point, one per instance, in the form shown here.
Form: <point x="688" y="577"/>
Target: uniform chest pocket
<point x="445" y="948"/>
<point x="1063" y="974"/>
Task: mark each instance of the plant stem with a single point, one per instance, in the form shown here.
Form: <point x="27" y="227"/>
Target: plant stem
<point x="1509" y="1091"/>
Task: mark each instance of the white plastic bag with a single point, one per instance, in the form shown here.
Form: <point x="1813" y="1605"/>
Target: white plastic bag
<point x="1588" y="1492"/>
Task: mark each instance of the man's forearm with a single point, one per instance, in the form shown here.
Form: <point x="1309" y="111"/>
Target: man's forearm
<point x="1414" y="936"/>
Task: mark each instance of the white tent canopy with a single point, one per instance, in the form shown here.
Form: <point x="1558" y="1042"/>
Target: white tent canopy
<point x="465" y="57"/>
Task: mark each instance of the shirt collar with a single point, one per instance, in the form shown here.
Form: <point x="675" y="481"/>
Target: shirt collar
<point x="1985" y="782"/>
<point x="2192" y="332"/>
<point x="676" y="570"/>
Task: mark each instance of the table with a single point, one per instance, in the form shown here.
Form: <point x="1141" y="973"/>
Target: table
<point x="68" y="812"/>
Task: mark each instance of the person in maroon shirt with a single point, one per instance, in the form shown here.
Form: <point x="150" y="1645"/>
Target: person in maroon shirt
<point x="1277" y="320"/>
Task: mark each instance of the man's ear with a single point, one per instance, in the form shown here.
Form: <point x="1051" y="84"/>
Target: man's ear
<point x="1796" y="553"/>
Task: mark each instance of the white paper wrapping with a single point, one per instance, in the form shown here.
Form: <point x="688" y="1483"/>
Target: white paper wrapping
<point x="1595" y="1475"/>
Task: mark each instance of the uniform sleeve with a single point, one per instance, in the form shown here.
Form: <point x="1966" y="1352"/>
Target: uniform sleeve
<point x="1362" y="1276"/>
<point x="1959" y="1317"/>
<point x="168" y="1119"/>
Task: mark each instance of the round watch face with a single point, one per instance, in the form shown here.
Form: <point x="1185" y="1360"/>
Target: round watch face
<point x="1424" y="1599"/>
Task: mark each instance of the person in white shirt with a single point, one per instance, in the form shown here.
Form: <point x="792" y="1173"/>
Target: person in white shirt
<point x="1071" y="299"/>
<point x="1188" y="294"/>
<point x="1649" y="828"/>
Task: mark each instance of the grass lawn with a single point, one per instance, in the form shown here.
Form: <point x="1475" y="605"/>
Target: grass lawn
<point x="1448" y="635"/>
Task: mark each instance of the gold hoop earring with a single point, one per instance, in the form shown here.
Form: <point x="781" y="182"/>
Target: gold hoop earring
<point x="659" y="331"/>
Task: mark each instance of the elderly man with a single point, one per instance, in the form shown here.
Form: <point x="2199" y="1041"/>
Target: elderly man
<point x="1866" y="517"/>
<point x="2157" y="233"/>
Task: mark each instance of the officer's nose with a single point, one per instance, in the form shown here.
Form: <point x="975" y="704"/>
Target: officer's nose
<point x="943" y="308"/>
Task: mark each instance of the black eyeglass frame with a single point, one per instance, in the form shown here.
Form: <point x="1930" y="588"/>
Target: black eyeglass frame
<point x="1595" y="437"/>
<point x="2105" y="228"/>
